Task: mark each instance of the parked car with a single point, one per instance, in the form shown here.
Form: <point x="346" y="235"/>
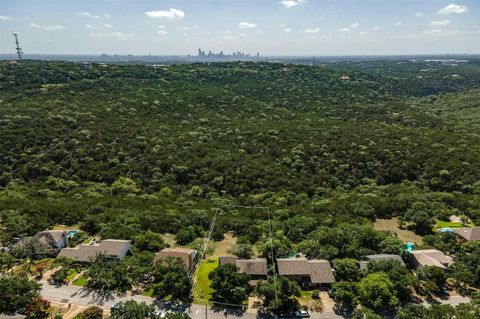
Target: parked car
<point x="302" y="314"/>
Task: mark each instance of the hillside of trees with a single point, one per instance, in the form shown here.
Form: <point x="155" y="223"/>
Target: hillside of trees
<point x="158" y="148"/>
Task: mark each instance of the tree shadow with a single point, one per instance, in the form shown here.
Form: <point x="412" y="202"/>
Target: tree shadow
<point x="98" y="296"/>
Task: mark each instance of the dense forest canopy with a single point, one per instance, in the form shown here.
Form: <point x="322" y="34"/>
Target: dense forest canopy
<point x="123" y="149"/>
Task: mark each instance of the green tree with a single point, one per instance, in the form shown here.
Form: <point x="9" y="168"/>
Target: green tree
<point x="131" y="309"/>
<point x="391" y="245"/>
<point x="346" y="269"/>
<point x="92" y="312"/>
<point x="228" y="284"/>
<point x="106" y="274"/>
<point x="16" y="293"/>
<point x="466" y="268"/>
<point x="149" y="241"/>
<point x="177" y="315"/>
<point x="403" y="281"/>
<point x="432" y="280"/>
<point x="171" y="278"/>
<point x="376" y="291"/>
<point x="243" y="248"/>
<point x="344" y="293"/>
<point x="125" y="185"/>
<point x="278" y="294"/>
<point x="37" y="309"/>
<point x="60" y="275"/>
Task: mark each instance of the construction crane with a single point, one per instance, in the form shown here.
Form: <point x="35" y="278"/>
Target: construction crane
<point x="19" y="49"/>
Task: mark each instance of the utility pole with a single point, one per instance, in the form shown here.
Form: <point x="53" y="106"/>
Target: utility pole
<point x="313" y="61"/>
<point x="19" y="49"/>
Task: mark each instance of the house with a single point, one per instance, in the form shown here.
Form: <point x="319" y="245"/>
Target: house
<point x="115" y="248"/>
<point x="468" y="233"/>
<point x="313" y="272"/>
<point x="60" y="237"/>
<point x="44" y="244"/>
<point x="188" y="256"/>
<point x="256" y="268"/>
<point x="380" y="257"/>
<point x="430" y="257"/>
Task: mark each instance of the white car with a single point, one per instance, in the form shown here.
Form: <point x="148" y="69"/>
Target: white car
<point x="302" y="314"/>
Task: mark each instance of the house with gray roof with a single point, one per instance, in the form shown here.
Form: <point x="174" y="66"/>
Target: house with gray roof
<point x="468" y="233"/>
<point x="43" y="244"/>
<point x="380" y="257"/>
<point x="430" y="257"/>
<point x="114" y="248"/>
<point x="313" y="273"/>
<point x="188" y="256"/>
<point x="256" y="268"/>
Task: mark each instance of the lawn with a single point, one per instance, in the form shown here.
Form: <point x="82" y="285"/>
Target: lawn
<point x="148" y="292"/>
<point x="444" y="224"/>
<point x="71" y="274"/>
<point x="82" y="281"/>
<point x="202" y="283"/>
<point x="306" y="294"/>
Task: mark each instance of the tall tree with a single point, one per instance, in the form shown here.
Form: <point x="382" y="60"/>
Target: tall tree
<point x="229" y="286"/>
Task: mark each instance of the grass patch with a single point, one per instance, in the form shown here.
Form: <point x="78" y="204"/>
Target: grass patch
<point x="202" y="283"/>
<point x="445" y="224"/>
<point x="81" y="281"/>
<point x="148" y="292"/>
<point x="306" y="294"/>
<point x="72" y="272"/>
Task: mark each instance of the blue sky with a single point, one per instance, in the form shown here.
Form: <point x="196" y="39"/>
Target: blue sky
<point x="271" y="27"/>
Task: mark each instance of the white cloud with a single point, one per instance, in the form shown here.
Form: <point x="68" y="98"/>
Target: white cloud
<point x="436" y="31"/>
<point x="418" y="14"/>
<point x="292" y="3"/>
<point x="5" y="18"/>
<point x="84" y="14"/>
<point x="287" y="30"/>
<point x="108" y="26"/>
<point x="184" y="28"/>
<point x="97" y="17"/>
<point x="46" y="27"/>
<point x="440" y="22"/>
<point x="376" y="28"/>
<point x="172" y="14"/>
<point x="344" y="30"/>
<point x="453" y="8"/>
<point x="162" y="27"/>
<point x="162" y="32"/>
<point x="362" y="33"/>
<point x="229" y="37"/>
<point x="116" y="35"/>
<point x="354" y="25"/>
<point x="106" y="15"/>
<point x="247" y="25"/>
<point x="312" y="30"/>
<point x="399" y="24"/>
<point x="88" y="26"/>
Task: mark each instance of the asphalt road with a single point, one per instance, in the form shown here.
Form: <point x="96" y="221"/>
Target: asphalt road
<point x="78" y="296"/>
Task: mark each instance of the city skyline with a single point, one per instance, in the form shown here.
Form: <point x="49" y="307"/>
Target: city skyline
<point x="285" y="27"/>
